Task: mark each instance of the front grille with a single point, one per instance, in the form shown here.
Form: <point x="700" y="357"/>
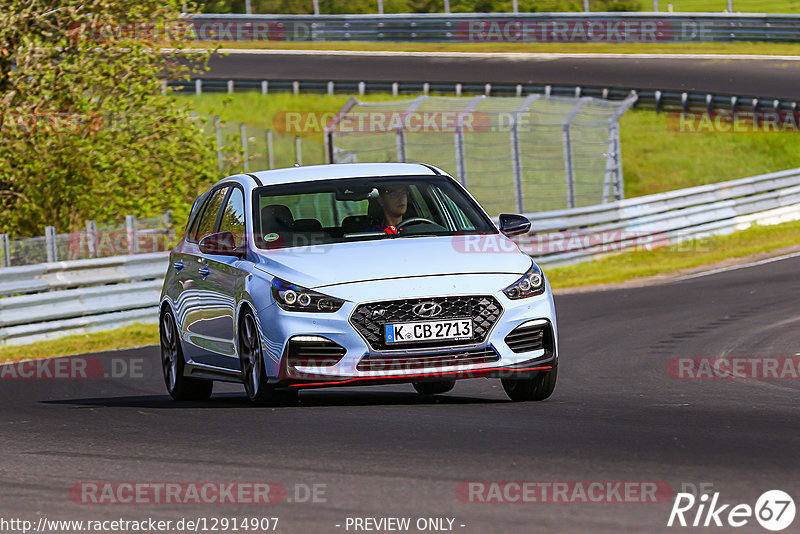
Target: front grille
<point x="369" y="319"/>
<point x="319" y="352"/>
<point x="531" y="336"/>
<point x="415" y="363"/>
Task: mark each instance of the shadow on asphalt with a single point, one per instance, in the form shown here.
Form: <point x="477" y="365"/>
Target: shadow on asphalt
<point x="307" y="400"/>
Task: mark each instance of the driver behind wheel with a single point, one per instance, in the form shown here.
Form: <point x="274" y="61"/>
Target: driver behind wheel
<point x="393" y="200"/>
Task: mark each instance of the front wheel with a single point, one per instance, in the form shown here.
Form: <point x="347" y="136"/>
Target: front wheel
<point x="434" y="387"/>
<point x="537" y="388"/>
<point x="172" y="364"/>
<point x="254" y="375"/>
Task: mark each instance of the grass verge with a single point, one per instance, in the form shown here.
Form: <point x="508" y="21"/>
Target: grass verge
<point x="642" y="264"/>
<point x="135" y="335"/>
<point x="782" y="49"/>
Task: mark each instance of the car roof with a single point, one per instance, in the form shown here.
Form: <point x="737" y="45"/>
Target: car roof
<point x="343" y="170"/>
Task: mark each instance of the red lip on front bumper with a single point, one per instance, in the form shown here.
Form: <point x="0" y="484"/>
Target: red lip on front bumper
<point x="479" y="373"/>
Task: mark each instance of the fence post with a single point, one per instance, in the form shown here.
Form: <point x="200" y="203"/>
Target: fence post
<point x="380" y="7"/>
<point x="218" y="131"/>
<point x="298" y="150"/>
<point x="243" y="138"/>
<point x="516" y="163"/>
<point x="330" y="150"/>
<point x="619" y="186"/>
<point x="130" y="229"/>
<point x="264" y="87"/>
<point x="230" y="87"/>
<point x="515" y="6"/>
<point x="401" y="145"/>
<point x="655" y="6"/>
<point x="50" y="243"/>
<point x="586" y="5"/>
<point x="316" y="7"/>
<point x="460" y="164"/>
<point x="330" y="88"/>
<point x="568" y="166"/>
<point x="270" y="154"/>
<point x="6" y="254"/>
<point x="447" y="6"/>
<point x="247" y="7"/>
<point x="91" y="238"/>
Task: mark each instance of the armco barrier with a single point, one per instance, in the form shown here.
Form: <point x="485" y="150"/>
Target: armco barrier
<point x="501" y="27"/>
<point x="54" y="299"/>
<point x="569" y="236"/>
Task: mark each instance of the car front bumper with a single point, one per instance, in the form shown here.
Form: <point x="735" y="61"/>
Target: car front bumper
<point x="491" y="357"/>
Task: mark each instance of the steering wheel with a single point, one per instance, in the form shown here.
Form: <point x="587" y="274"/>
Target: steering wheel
<point x="416" y="220"/>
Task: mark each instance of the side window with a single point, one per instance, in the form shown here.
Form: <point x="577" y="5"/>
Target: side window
<point x="209" y="218"/>
<point x="233" y="216"/>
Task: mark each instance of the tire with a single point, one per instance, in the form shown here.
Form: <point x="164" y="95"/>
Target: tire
<point x="434" y="387"/>
<point x="179" y="386"/>
<point x="254" y="375"/>
<point x="537" y="388"/>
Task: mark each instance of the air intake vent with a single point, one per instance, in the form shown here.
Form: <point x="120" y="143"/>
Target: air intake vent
<point x="530" y="336"/>
<point x="314" y="351"/>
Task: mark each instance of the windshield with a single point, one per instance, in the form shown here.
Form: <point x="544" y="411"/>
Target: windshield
<point x="359" y="209"/>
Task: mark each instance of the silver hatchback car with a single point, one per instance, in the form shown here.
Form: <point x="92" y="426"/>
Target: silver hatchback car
<point x="352" y="274"/>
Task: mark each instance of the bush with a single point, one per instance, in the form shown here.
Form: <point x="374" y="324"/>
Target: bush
<point x="86" y="130"/>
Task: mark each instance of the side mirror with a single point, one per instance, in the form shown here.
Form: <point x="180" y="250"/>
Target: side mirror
<point x="511" y="224"/>
<point x="222" y="243"/>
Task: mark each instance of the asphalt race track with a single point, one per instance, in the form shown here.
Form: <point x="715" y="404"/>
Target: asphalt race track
<point x="746" y="77"/>
<point x="616" y="415"/>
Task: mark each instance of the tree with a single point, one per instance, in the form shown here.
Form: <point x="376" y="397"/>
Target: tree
<point x="86" y="130"/>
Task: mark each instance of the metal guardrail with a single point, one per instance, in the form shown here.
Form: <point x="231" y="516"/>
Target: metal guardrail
<point x="501" y="27"/>
<point x="54" y="299"/>
<point x="646" y="98"/>
<point x="570" y="236"/>
<point x="51" y="300"/>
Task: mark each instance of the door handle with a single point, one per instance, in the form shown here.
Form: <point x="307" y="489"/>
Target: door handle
<point x="204" y="271"/>
<point x="178" y="266"/>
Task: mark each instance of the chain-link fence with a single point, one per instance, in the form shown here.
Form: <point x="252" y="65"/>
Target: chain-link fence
<point x="523" y="154"/>
<point x="245" y="148"/>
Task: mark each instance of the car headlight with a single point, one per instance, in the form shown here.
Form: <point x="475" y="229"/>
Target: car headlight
<point x="531" y="283"/>
<point x="295" y="298"/>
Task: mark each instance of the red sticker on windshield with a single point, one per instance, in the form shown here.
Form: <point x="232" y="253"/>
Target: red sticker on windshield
<point x="391" y="230"/>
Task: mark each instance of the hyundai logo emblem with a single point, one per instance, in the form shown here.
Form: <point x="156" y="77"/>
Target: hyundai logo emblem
<point x="427" y="309"/>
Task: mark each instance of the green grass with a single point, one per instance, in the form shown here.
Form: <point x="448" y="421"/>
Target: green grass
<point x="129" y="336"/>
<point x="688" y="255"/>
<point x="657" y="158"/>
<point x="742" y="6"/>
<point x="789" y="49"/>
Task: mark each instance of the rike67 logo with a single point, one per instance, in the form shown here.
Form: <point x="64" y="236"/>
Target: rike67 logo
<point x="774" y="510"/>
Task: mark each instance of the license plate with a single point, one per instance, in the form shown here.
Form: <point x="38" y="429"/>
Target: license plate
<point x="429" y="330"/>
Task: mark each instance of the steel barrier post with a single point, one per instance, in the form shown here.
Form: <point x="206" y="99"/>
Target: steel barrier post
<point x="6" y="254"/>
<point x="50" y="243"/>
<point x="130" y="229"/>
